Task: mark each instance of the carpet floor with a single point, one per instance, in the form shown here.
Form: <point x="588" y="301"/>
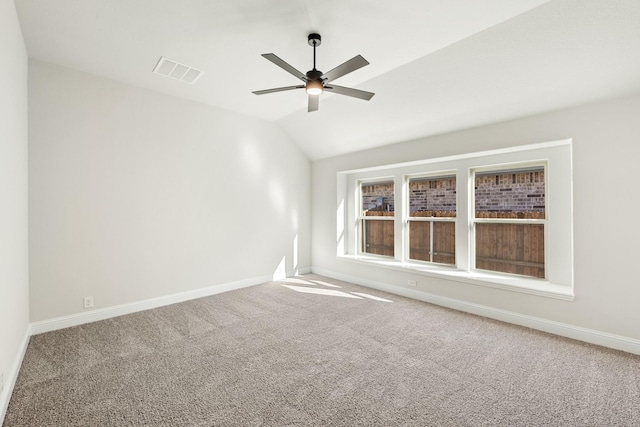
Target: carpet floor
<point x="313" y="351"/>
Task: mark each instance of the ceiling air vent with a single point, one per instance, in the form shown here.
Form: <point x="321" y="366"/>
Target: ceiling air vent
<point x="170" y="68"/>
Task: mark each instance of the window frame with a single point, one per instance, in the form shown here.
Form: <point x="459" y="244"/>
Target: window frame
<point x="408" y="218"/>
<point x="474" y="220"/>
<point x="362" y="219"/>
<point x="558" y="282"/>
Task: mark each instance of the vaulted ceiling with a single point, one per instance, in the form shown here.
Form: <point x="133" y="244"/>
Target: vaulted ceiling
<point x="436" y="65"/>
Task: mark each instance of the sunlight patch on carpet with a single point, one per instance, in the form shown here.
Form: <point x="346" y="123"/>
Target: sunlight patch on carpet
<point x="298" y="281"/>
<point x="328" y="292"/>
<point x="320" y="282"/>
<point x="371" y="297"/>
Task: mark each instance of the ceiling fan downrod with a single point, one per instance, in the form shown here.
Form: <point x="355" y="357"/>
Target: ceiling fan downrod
<point x="314" y="40"/>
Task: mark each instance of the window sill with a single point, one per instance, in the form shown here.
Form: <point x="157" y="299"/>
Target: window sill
<point x="481" y="278"/>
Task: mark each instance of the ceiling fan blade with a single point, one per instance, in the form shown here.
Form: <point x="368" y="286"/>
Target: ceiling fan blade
<point x="314" y="100"/>
<point x="278" y="89"/>
<point x="345" y="68"/>
<point x="341" y="90"/>
<point x="285" y="66"/>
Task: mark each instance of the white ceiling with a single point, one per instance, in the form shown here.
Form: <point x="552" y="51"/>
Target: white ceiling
<point x="436" y="65"/>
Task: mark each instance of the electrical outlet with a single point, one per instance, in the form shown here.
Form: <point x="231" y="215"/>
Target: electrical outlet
<point x="412" y="283"/>
<point x="88" y="302"/>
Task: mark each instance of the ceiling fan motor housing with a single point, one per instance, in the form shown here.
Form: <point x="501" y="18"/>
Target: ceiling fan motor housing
<point x="314" y="74"/>
<point x="314" y="38"/>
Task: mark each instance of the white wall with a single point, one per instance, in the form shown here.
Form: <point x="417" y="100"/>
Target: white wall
<point x="606" y="148"/>
<point x="14" y="270"/>
<point x="135" y="195"/>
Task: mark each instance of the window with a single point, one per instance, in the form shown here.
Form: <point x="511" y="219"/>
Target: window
<point x="500" y="218"/>
<point x="431" y="221"/>
<point x="509" y="220"/>
<point x="376" y="218"/>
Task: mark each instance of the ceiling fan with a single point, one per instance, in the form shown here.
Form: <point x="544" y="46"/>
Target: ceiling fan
<point x="315" y="81"/>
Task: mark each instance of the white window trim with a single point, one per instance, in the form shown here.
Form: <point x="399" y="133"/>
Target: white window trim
<point x="558" y="231"/>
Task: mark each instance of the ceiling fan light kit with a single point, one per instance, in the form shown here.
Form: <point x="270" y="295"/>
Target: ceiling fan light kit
<point x="314" y="87"/>
<point x="315" y="81"/>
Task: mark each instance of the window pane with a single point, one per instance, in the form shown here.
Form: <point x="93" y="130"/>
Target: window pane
<point x="377" y="201"/>
<point x="432" y="197"/>
<point x="444" y="241"/>
<point x="377" y="197"/>
<point x="419" y="240"/>
<point x="514" y="194"/>
<point x="377" y="236"/>
<point x="511" y="248"/>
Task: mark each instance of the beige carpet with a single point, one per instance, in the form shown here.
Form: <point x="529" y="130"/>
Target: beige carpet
<point x="318" y="352"/>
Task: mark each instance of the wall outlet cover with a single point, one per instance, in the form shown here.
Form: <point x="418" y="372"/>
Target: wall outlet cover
<point x="88" y="302"/>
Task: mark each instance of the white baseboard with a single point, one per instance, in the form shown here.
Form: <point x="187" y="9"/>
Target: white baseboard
<point x="119" y="310"/>
<point x="592" y="336"/>
<point x="12" y="375"/>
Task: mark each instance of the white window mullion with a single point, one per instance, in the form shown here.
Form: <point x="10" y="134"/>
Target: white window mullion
<point x="405" y="220"/>
<point x="464" y="225"/>
<point x="400" y="208"/>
